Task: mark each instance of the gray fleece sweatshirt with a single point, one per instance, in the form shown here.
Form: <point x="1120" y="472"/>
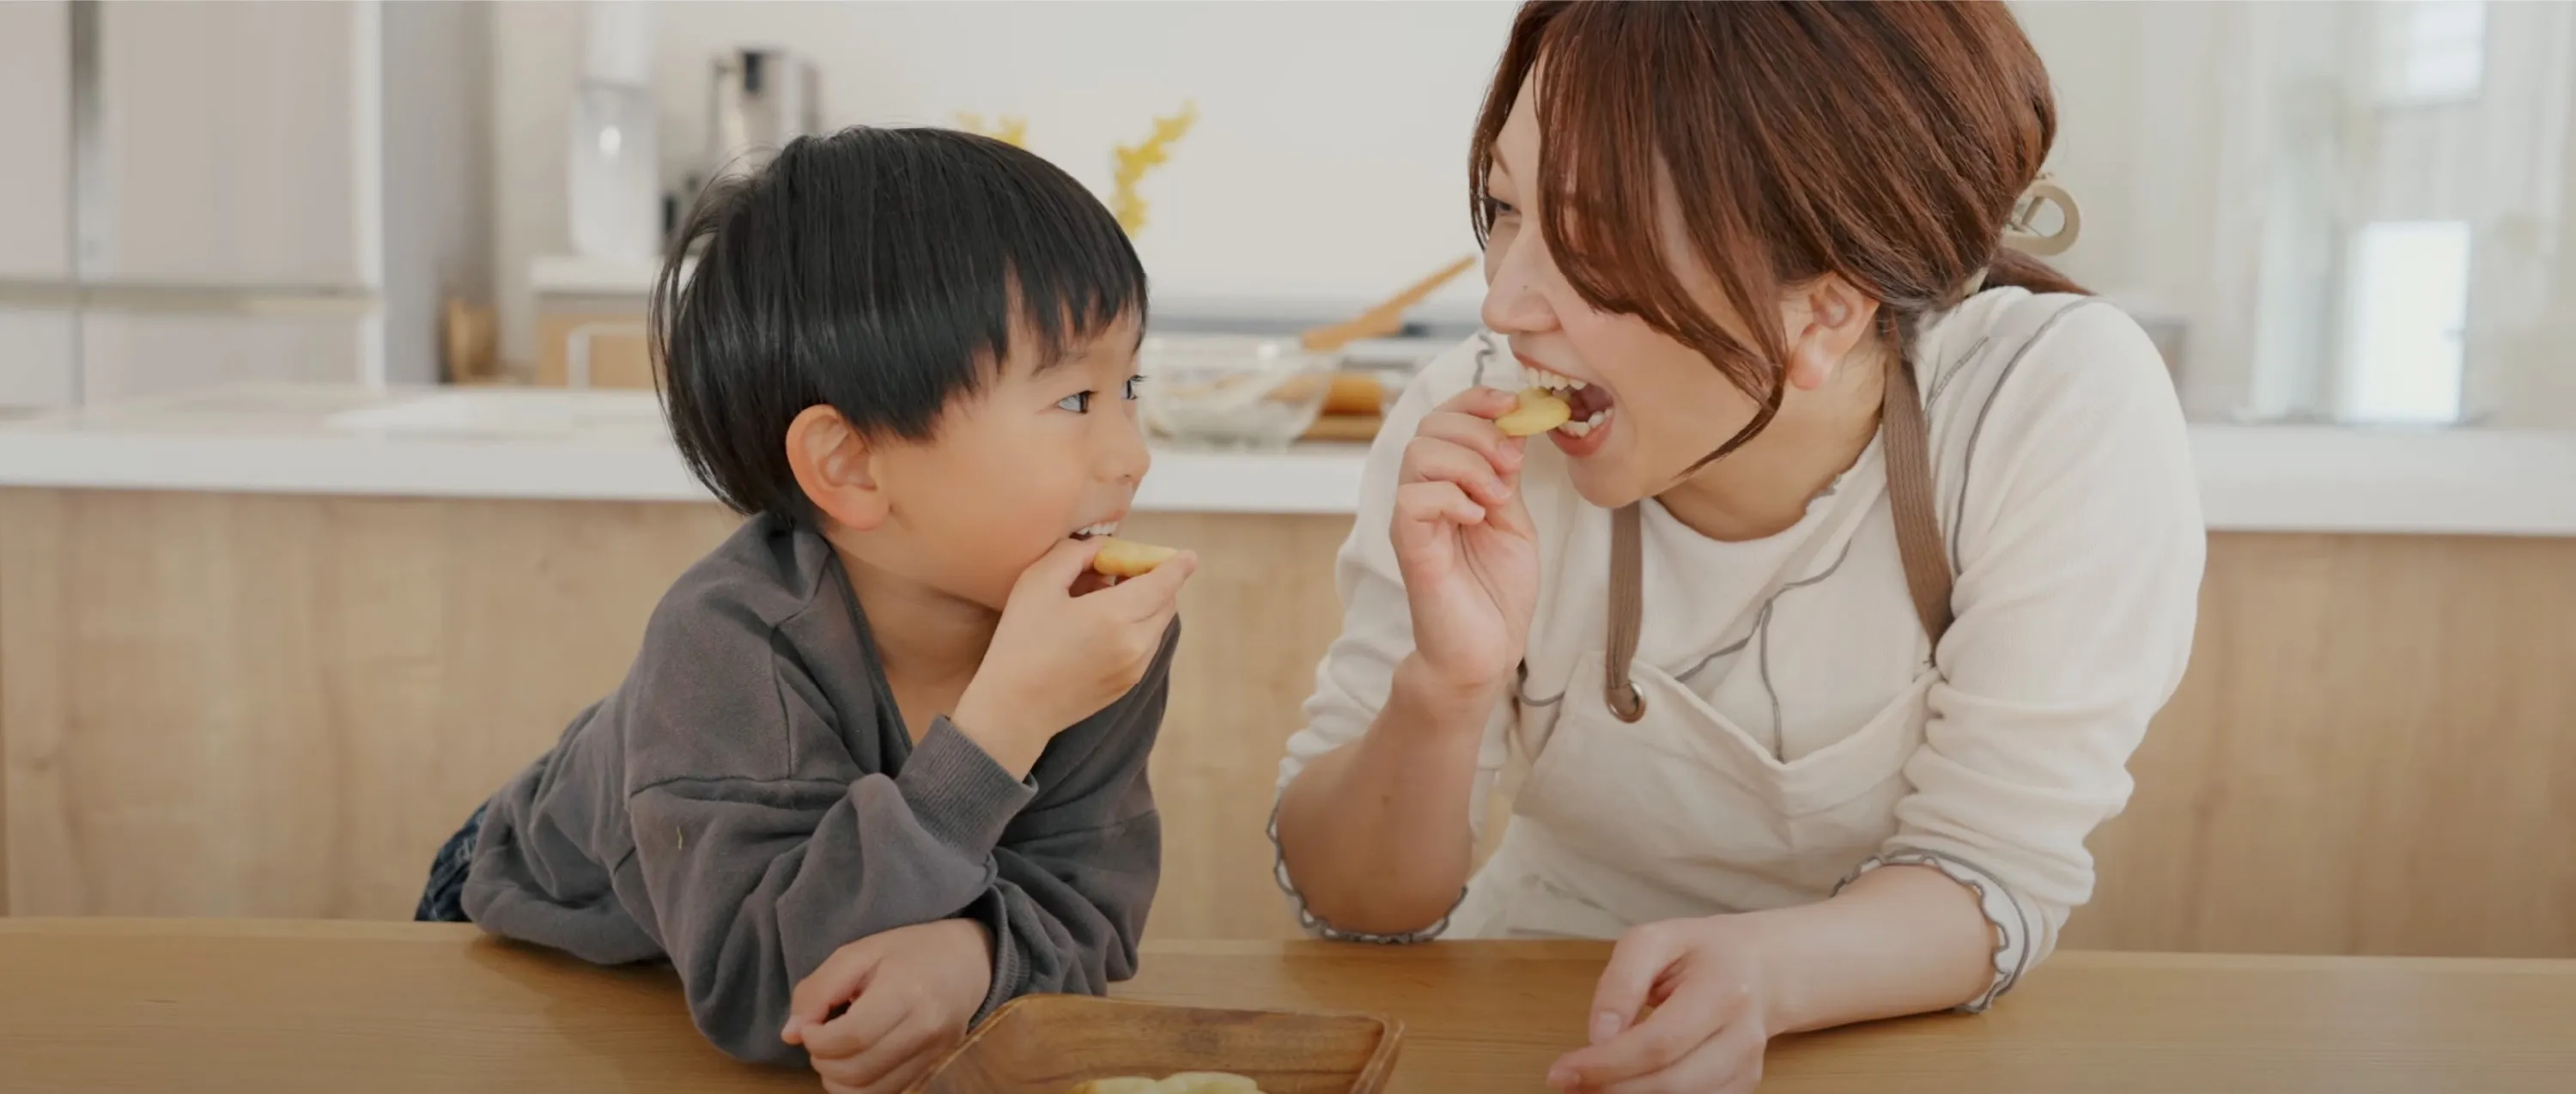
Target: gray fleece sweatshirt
<point x="748" y="801"/>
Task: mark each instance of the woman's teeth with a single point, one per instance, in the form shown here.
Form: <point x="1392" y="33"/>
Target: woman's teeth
<point x="1587" y="425"/>
<point x="1109" y="528"/>
<point x="1533" y="376"/>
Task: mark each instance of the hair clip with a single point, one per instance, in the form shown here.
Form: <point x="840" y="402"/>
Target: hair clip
<point x="2020" y="235"/>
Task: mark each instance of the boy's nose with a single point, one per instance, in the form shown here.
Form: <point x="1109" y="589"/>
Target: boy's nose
<point x="1124" y="456"/>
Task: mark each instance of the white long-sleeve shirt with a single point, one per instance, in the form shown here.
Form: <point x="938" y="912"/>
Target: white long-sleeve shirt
<point x="2067" y="499"/>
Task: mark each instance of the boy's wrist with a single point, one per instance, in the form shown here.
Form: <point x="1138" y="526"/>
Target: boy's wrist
<point x="999" y="727"/>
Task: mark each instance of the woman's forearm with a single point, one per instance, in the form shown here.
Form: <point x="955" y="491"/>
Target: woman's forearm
<point x="1375" y="833"/>
<point x="1899" y="940"/>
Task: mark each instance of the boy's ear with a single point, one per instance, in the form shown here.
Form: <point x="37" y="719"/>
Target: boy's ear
<point x="833" y="465"/>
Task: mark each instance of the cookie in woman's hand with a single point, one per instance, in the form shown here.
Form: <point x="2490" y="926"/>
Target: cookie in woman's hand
<point x="1540" y="410"/>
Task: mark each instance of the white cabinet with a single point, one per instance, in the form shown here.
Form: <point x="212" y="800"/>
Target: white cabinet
<point x="197" y="194"/>
<point x="37" y="356"/>
<point x="35" y="143"/>
<point x="132" y="355"/>
<point x="230" y="144"/>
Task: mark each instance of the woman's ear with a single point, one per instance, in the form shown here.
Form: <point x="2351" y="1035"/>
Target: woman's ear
<point x="1825" y="319"/>
<point x="835" y="466"/>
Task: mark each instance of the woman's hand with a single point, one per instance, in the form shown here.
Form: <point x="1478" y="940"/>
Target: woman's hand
<point x="1464" y="543"/>
<point x="1708" y="983"/>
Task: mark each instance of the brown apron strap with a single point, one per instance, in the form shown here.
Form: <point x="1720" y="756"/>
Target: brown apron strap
<point x="1910" y="501"/>
<point x="1627" y="610"/>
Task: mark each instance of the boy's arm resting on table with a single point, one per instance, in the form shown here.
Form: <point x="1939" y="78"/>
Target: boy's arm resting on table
<point x="754" y="882"/>
<point x="1075" y="874"/>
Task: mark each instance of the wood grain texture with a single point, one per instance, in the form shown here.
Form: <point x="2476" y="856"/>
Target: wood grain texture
<point x="1253" y="622"/>
<point x="289" y="1008"/>
<point x="278" y="706"/>
<point x="2374" y="752"/>
<point x="1049" y="1044"/>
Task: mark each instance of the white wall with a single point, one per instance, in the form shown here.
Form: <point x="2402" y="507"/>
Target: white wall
<point x="1328" y="164"/>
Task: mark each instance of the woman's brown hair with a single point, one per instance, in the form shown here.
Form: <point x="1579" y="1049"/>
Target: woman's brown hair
<point x="1883" y="142"/>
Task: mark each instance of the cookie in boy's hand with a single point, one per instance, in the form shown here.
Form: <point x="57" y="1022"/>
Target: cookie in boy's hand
<point x="1126" y="558"/>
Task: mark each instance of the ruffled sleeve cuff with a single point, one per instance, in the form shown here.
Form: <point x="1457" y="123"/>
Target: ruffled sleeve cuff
<point x="2016" y="927"/>
<point x="1317" y="927"/>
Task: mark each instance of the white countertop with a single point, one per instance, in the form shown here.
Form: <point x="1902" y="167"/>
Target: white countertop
<point x="517" y="443"/>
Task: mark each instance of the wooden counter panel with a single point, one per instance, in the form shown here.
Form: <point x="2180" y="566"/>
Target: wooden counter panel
<point x="278" y="706"/>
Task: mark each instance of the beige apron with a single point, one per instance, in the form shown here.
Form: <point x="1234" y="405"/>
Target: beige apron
<point x="1645" y="802"/>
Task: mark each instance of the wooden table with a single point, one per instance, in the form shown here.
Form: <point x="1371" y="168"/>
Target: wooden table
<point x="215" y="1005"/>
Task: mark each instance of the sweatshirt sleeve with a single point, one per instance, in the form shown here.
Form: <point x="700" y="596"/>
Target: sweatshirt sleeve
<point x="1075" y="874"/>
<point x="754" y="882"/>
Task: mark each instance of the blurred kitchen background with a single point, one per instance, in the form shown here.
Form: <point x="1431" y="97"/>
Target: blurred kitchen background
<point x="306" y="540"/>
<point x="2332" y="211"/>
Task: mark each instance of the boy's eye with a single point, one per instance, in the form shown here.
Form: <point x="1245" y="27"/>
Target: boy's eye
<point x="1079" y="402"/>
<point x="1134" y="382"/>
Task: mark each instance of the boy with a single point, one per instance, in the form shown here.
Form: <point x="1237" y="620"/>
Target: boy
<point x="890" y="738"/>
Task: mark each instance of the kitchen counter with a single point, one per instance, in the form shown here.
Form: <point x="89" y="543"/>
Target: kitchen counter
<point x="226" y="1005"/>
<point x="609" y="446"/>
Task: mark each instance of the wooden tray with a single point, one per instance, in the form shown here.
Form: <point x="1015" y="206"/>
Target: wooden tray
<point x="1044" y="1044"/>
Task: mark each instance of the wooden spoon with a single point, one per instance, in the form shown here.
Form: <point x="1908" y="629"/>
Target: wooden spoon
<point x="1384" y="319"/>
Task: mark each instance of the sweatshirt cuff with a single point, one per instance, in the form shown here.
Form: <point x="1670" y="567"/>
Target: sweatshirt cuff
<point x="1010" y="967"/>
<point x="960" y="795"/>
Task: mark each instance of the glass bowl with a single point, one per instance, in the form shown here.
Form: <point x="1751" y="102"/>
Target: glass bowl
<point x="1226" y="391"/>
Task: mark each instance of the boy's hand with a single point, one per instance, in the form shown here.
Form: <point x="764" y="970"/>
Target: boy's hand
<point x="1059" y="658"/>
<point x="911" y="991"/>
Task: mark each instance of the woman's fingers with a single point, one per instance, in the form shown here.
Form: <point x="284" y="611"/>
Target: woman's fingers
<point x="1636" y="963"/>
<point x="1729" y="1063"/>
<point x="1488" y="403"/>
<point x="1698" y="1011"/>
<point x="1432" y="507"/>
<point x="1478" y="435"/>
<point x="1431" y="459"/>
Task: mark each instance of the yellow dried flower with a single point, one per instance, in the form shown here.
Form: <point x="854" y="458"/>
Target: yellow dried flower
<point x="1006" y="129"/>
<point x="1133" y="161"/>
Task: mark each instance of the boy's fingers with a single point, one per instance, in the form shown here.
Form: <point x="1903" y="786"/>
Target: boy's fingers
<point x="902" y="1078"/>
<point x="1157" y="591"/>
<point x="868" y="1021"/>
<point x="1055" y="570"/>
<point x="913" y="1037"/>
<point x="838" y="980"/>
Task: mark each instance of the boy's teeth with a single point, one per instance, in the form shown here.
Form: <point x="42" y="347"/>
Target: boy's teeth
<point x="1094" y="530"/>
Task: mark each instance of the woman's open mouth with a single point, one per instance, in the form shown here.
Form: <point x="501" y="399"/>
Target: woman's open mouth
<point x="1591" y="403"/>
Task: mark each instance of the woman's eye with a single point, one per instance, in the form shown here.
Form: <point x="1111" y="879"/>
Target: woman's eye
<point x="1079" y="402"/>
<point x="1134" y="382"/>
<point x="1496" y="209"/>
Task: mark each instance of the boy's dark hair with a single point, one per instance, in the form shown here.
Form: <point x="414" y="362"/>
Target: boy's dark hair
<point x="879" y="272"/>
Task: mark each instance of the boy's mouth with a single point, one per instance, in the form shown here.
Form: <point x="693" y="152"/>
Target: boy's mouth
<point x="1591" y="403"/>
<point x="1095" y="531"/>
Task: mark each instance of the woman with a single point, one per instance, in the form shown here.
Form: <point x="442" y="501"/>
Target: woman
<point x="1817" y="722"/>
